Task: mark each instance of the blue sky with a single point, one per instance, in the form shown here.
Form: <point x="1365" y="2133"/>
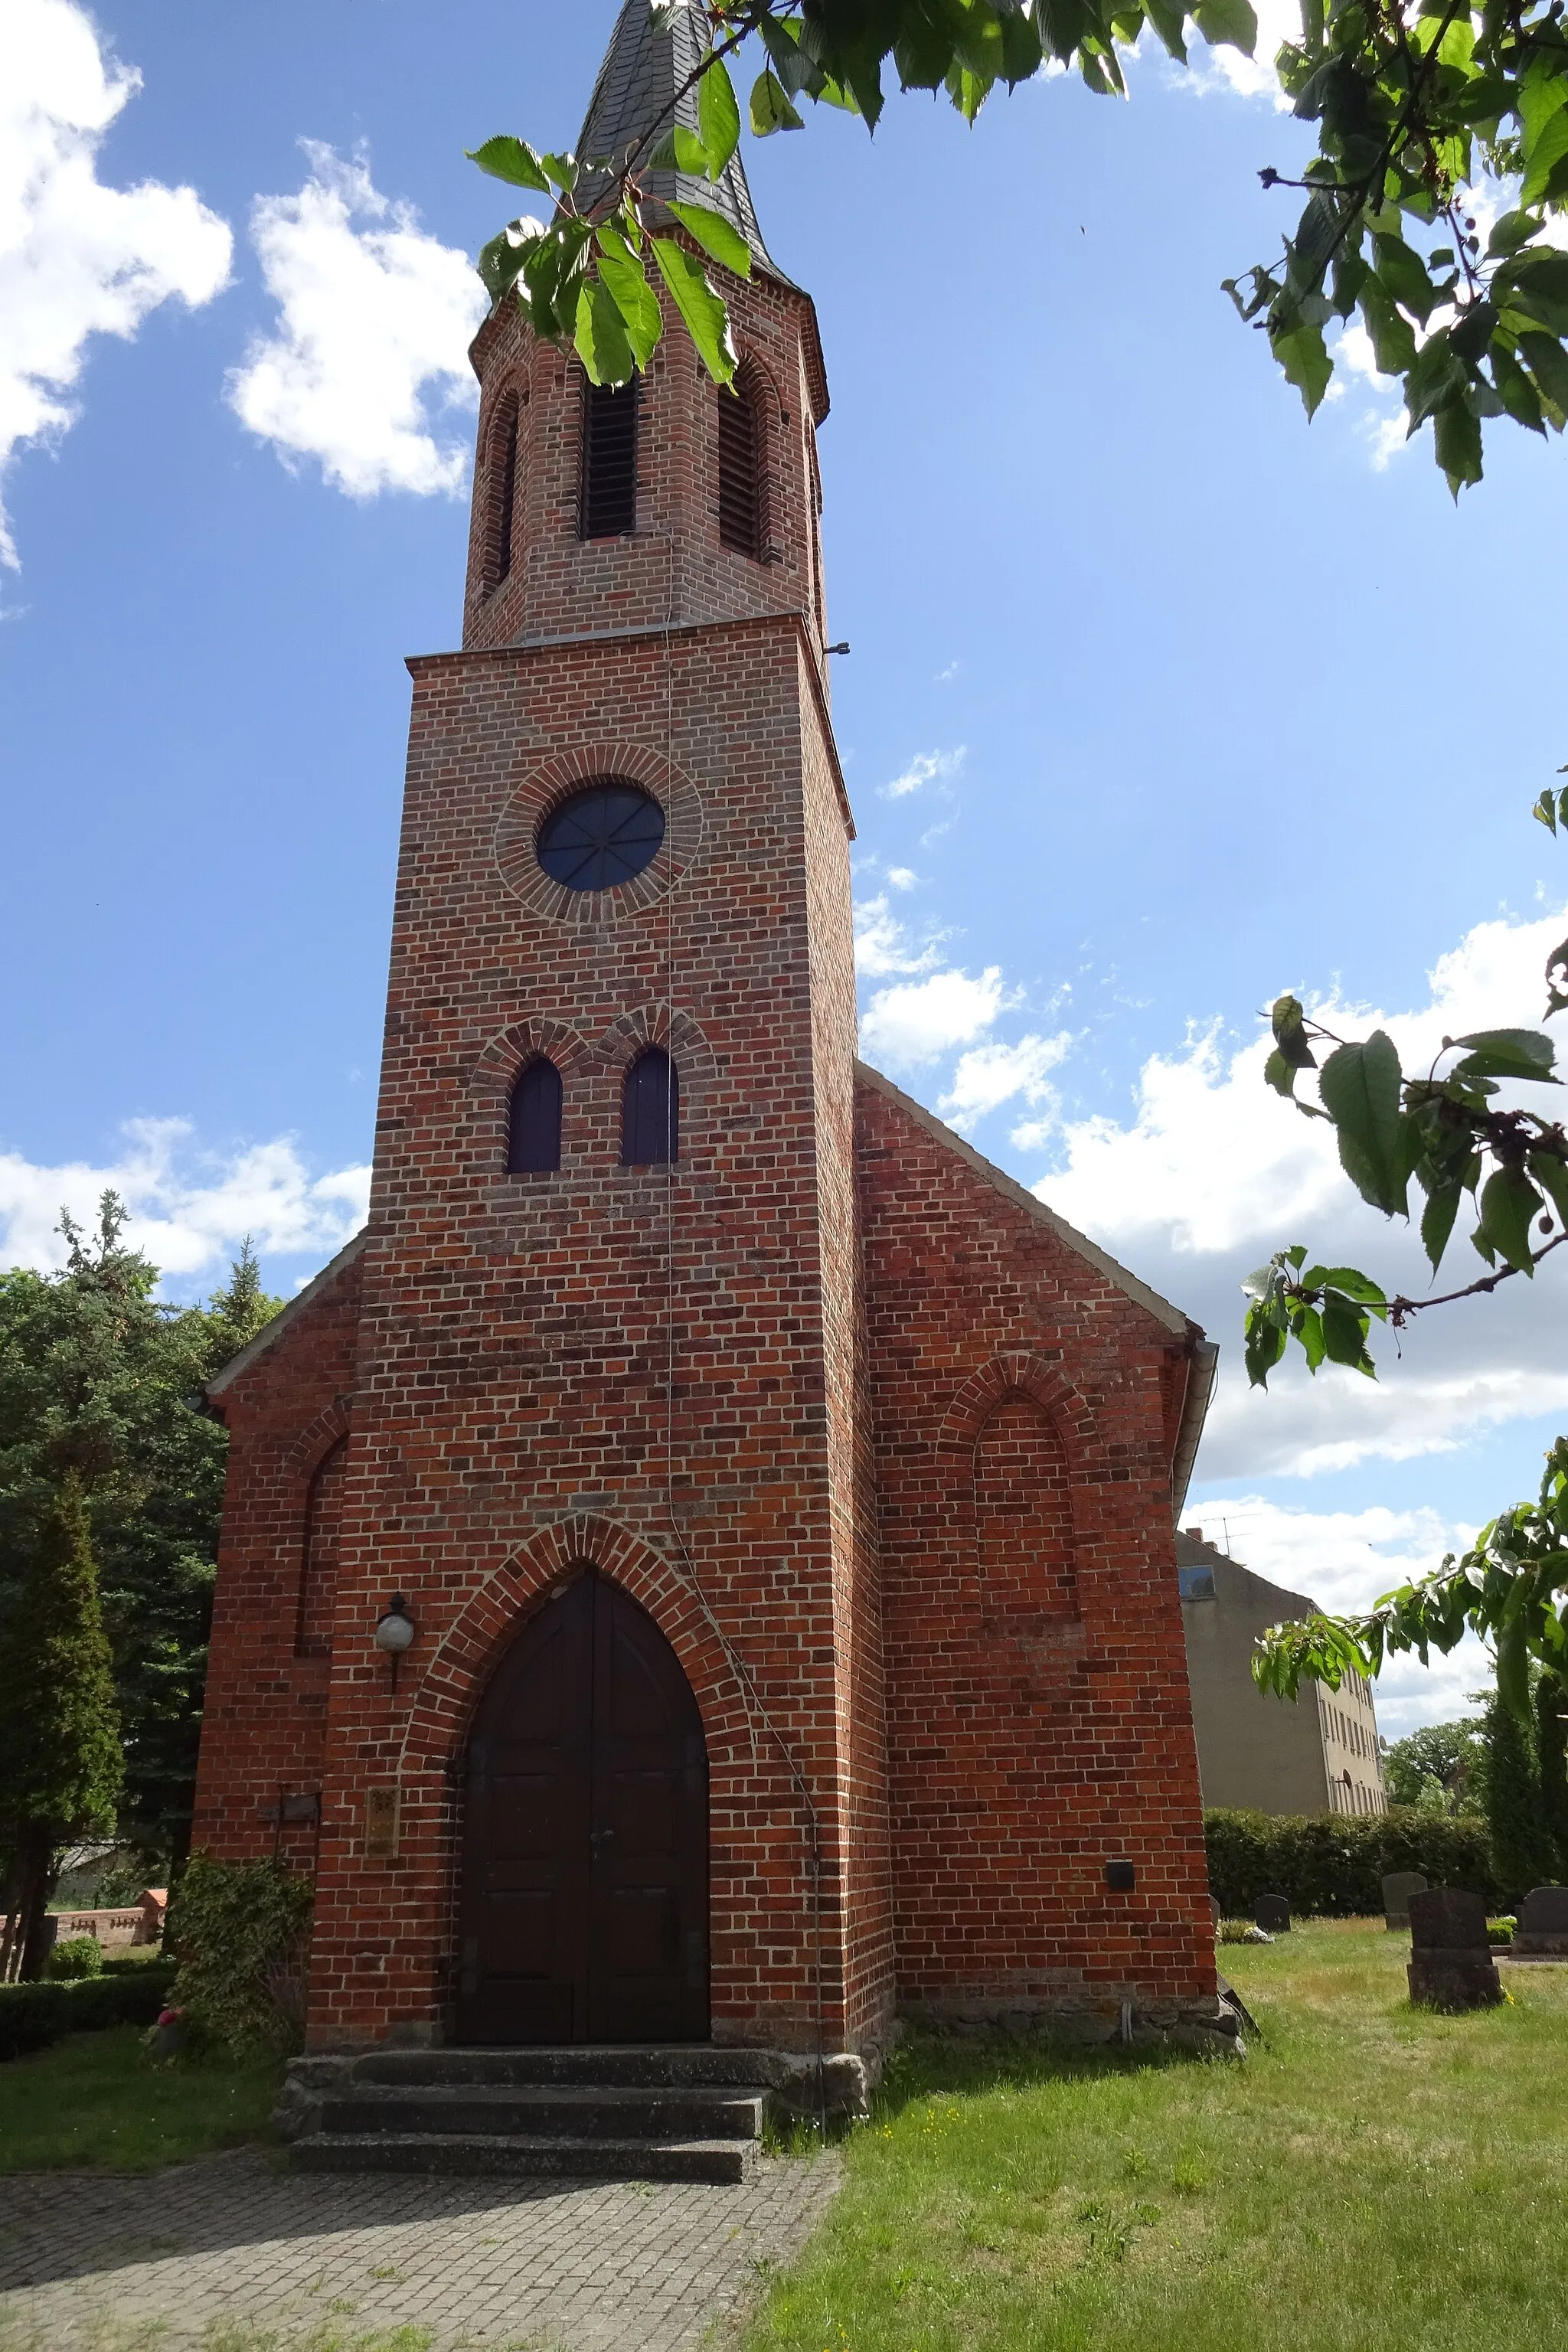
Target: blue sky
<point x="1159" y="701"/>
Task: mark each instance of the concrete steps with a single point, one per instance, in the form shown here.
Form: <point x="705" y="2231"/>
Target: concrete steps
<point x="675" y="2112"/>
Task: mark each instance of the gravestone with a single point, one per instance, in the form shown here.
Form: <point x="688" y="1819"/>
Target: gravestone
<point x="1397" y="1889"/>
<point x="1272" y="1913"/>
<point x="1218" y="1914"/>
<point x="1451" y="1966"/>
<point x="1543" y="1930"/>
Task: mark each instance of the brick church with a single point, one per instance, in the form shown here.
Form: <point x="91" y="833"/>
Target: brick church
<point x="699" y="1566"/>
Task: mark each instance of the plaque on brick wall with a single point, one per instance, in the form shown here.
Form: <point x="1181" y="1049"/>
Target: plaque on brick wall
<point x="381" y="1822"/>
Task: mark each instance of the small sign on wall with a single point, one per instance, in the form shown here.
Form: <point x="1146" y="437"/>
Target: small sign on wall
<point x="380" y="1811"/>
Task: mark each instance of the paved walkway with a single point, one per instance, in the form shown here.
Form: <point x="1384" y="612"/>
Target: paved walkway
<point x="232" y="2255"/>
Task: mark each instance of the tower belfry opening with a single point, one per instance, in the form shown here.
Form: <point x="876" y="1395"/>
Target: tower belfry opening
<point x="861" y="1464"/>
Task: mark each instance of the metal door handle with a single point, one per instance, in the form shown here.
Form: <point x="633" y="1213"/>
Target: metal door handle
<point x="596" y="1839"/>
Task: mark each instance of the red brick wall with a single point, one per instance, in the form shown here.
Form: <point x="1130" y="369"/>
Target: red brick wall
<point x="1038" y="1717"/>
<point x="265" y="1718"/>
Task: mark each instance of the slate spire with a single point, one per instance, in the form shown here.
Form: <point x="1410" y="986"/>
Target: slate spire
<point x="637" y="87"/>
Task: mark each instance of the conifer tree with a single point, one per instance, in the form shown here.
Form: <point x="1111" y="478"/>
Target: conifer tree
<point x="1521" y="1843"/>
<point x="60" y="1763"/>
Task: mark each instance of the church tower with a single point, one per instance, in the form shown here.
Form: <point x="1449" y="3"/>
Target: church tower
<point x="550" y="1632"/>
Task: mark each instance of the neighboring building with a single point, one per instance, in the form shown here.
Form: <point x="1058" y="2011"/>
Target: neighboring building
<point x="778" y="1500"/>
<point x="1318" y="1754"/>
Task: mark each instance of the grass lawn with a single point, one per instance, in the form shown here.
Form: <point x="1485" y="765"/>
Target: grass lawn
<point x="99" y="2099"/>
<point x="1374" y="2178"/>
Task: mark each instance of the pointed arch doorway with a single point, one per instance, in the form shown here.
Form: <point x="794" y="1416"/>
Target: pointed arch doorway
<point x="583" y="1904"/>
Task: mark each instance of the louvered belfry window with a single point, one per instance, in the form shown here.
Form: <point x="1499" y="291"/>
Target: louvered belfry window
<point x="650" y="1111"/>
<point x="608" y="502"/>
<point x="741" y="522"/>
<point x="533" y="1145"/>
<point x="506" y="499"/>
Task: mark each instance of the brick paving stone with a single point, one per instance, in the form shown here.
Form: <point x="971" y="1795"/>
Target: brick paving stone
<point x="231" y="2254"/>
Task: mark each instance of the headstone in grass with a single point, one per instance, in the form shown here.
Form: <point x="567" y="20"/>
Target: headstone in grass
<point x="1543" y="1930"/>
<point x="1451" y="1966"/>
<point x="1399" y="1887"/>
<point x="1217" y="1913"/>
<point x="1272" y="1913"/>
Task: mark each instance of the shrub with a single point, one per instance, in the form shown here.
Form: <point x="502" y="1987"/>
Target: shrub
<point x="79" y="1956"/>
<point x="1334" y="1863"/>
<point x="34" y="2015"/>
<point x="241" y="1931"/>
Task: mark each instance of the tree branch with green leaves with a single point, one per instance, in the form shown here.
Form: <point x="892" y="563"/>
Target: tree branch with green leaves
<point x="1442" y="1128"/>
<point x="1510" y="1588"/>
<point x="1428" y="112"/>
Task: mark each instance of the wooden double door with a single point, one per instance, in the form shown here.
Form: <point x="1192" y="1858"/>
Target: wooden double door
<point x="585" y="1881"/>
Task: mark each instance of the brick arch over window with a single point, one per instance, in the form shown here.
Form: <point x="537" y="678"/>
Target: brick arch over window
<point x="459" y="1674"/>
<point x="1021" y="1501"/>
<point x="544" y="787"/>
<point x="676" y="1034"/>
<point x="505" y="455"/>
<point x="318" y="1559"/>
<point x="498" y="1069"/>
<point x="1020" y="1374"/>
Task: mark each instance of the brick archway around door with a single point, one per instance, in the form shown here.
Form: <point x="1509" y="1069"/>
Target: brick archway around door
<point x="757" y="1827"/>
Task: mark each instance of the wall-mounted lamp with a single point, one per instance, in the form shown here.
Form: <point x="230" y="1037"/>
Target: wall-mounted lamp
<point x="395" y="1630"/>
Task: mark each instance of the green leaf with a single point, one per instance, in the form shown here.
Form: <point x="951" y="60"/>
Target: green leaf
<point x="1510" y="1202"/>
<point x="707" y="320"/>
<point x="1309" y="1330"/>
<point x="771" y="107"/>
<point x="635" y="299"/>
<point x="1548" y="363"/>
<point x="1405" y="275"/>
<point x="1457" y="430"/>
<point x="1288" y="1020"/>
<point x="1023" y="50"/>
<point x="1360" y="1089"/>
<point x="1513" y="1667"/>
<point x="1551" y="1174"/>
<point x="1536" y="282"/>
<point x="1509" y="1054"/>
<point x="1280" y="1073"/>
<point x="1229" y="23"/>
<point x="715" y="235"/>
<point x="1392" y="335"/>
<point x="1265" y="1344"/>
<point x="1344" y="1336"/>
<point x="513" y="160"/>
<point x="500" y="262"/>
<point x="1305" y="360"/>
<point x="1515" y="390"/>
<point x="690" y="154"/>
<point x="1437" y="1221"/>
<point x="1508" y="233"/>
<point x="1351" y="1282"/>
<point x="1436" y="379"/>
<point x="718" y="116"/>
<point x="1543" y="119"/>
<point x="601" y="338"/>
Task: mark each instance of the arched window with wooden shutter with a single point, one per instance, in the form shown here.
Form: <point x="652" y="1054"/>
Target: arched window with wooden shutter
<point x="607" y="484"/>
<point x="650" y="1111"/>
<point x="742" y="464"/>
<point x="504" y="489"/>
<point x="533" y="1138"/>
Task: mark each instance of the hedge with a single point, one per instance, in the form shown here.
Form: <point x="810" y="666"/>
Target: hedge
<point x="34" y="2015"/>
<point x="1334" y="1863"/>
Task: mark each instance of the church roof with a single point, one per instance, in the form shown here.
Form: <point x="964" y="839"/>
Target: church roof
<point x="1205" y="1352"/>
<point x="635" y="102"/>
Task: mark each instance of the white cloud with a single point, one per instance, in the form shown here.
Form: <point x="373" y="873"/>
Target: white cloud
<point x="989" y="1076"/>
<point x="882" y="944"/>
<point x="190" y="1209"/>
<point x="1347" y="1560"/>
<point x="903" y="878"/>
<point x="925" y="768"/>
<point x="376" y="317"/>
<point x="1253" y="76"/>
<point x="76" y="258"/>
<point x="1213" y="1171"/>
<point x="919" y="1021"/>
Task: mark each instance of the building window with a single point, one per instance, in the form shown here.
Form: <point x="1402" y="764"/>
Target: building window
<point x="650" y="1111"/>
<point x="505" y="493"/>
<point x="601" y="837"/>
<point x="742" y="472"/>
<point x="608" y="492"/>
<point x="533" y="1141"/>
<point x="318" y="1568"/>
